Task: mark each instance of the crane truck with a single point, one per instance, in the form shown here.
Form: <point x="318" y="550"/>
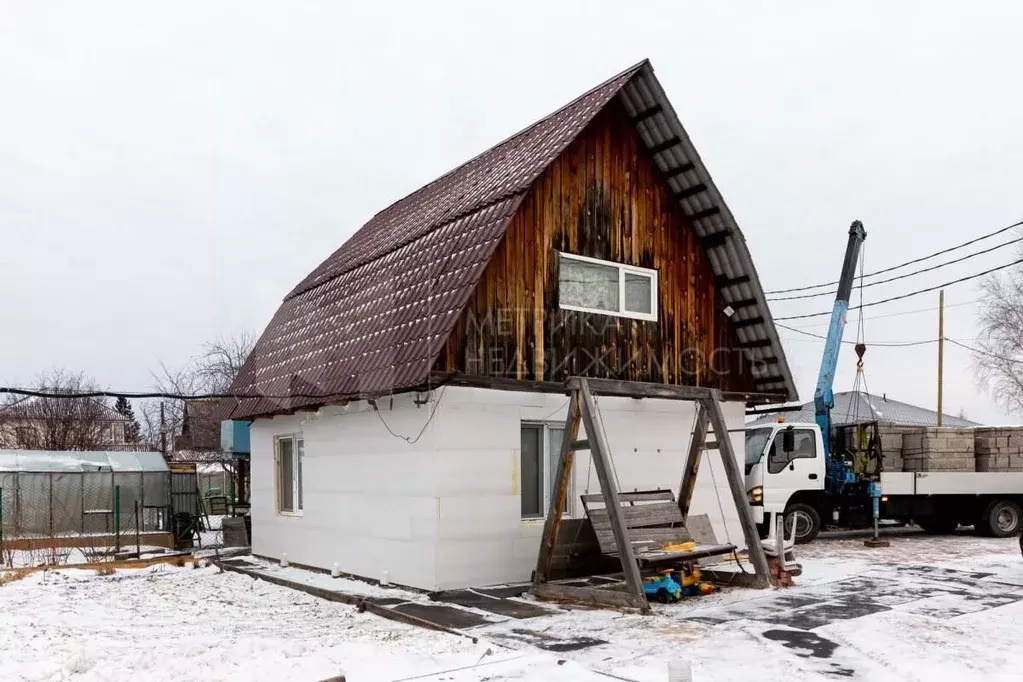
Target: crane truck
<point x="817" y="472"/>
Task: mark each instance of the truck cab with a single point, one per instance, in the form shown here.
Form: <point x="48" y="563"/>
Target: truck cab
<point x="785" y="474"/>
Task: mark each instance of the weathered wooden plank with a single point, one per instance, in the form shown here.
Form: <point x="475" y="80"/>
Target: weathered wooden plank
<point x="657" y="514"/>
<point x="600" y="455"/>
<point x="692" y="465"/>
<point x="643" y="539"/>
<point x="617" y="599"/>
<point x="635" y="496"/>
<point x="737" y="487"/>
<point x="562" y="477"/>
<point x="635" y="389"/>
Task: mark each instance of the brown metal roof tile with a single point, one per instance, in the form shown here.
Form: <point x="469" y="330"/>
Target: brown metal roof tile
<point x="374" y="315"/>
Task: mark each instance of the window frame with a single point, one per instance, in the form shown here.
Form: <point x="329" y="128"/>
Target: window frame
<point x="297" y="479"/>
<point x="790" y="457"/>
<point x="622" y="268"/>
<point x="547" y="459"/>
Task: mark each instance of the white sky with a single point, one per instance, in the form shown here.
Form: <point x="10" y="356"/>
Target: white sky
<point x="168" y="173"/>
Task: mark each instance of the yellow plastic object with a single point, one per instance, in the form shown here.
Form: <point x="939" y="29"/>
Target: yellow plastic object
<point x="680" y="547"/>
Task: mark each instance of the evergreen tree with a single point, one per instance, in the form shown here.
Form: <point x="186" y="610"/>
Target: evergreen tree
<point x="132" y="430"/>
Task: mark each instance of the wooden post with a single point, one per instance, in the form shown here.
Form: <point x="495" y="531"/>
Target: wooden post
<point x="600" y="453"/>
<point x="941" y="349"/>
<point x="553" y="523"/>
<point x="737" y="486"/>
<point x="692" y="467"/>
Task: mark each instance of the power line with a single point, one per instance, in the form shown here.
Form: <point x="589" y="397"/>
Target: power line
<point x="899" y="314"/>
<point x="908" y="295"/>
<point x="902" y="265"/>
<point x="908" y="274"/>
<point x="887" y="344"/>
<point x="983" y="352"/>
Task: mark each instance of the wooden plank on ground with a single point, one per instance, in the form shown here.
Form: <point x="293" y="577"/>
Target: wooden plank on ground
<point x="592" y="596"/>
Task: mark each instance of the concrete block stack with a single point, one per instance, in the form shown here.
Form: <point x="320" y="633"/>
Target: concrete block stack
<point x="999" y="448"/>
<point x="944" y="448"/>
<point x="891" y="444"/>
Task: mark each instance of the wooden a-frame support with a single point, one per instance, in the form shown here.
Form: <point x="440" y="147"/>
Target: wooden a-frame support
<point x="582" y="409"/>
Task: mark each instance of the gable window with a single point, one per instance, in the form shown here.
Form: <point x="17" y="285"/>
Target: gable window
<point x="538" y="465"/>
<point x="597" y="286"/>
<point x="288" y="452"/>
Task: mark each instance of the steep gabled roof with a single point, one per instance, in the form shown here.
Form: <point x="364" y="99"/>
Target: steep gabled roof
<point x="374" y="315"/>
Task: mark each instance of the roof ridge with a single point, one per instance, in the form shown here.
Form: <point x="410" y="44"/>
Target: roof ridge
<point x="635" y="67"/>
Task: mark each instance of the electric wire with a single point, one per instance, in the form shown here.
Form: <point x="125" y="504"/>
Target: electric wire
<point x="906" y="295"/>
<point x="898" y="277"/>
<point x="902" y="265"/>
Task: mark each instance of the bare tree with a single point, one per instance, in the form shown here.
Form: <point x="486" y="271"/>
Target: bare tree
<point x="212" y="372"/>
<point x="63" y="422"/>
<point x="999" y="356"/>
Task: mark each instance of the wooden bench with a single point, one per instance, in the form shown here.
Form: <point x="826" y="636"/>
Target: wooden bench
<point x="652" y="520"/>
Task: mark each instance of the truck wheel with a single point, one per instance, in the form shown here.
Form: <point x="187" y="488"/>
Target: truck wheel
<point x="1002" y="518"/>
<point x="807" y="520"/>
<point x="663" y="596"/>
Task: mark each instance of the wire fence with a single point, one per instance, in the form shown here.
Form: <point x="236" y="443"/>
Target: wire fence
<point x="48" y="515"/>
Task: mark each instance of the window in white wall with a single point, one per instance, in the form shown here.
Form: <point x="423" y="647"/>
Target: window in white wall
<point x="597" y="286"/>
<point x="288" y="454"/>
<point x="538" y="464"/>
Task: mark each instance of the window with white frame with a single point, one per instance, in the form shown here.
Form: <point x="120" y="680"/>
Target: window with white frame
<point x="598" y="286"/>
<point x="288" y="452"/>
<point x="538" y="465"/>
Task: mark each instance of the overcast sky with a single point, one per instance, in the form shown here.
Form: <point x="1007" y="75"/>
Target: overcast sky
<point x="168" y="172"/>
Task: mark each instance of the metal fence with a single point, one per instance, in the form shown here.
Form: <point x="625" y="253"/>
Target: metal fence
<point x="61" y="504"/>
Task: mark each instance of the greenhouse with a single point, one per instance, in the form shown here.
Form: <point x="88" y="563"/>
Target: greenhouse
<point x="69" y="495"/>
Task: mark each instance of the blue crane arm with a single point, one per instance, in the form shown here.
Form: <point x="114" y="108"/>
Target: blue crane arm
<point x="823" y="396"/>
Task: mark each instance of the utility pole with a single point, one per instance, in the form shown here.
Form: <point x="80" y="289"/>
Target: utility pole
<point x="163" y="430"/>
<point x="941" y="347"/>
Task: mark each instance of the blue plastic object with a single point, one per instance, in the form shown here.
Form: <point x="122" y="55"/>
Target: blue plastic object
<point x="663" y="588"/>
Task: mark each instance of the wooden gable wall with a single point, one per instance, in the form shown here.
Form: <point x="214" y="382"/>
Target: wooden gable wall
<point x="604" y="198"/>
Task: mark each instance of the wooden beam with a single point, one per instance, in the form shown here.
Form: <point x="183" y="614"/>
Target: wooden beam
<point x="580" y="445"/>
<point x="593" y="596"/>
<point x="757" y="343"/>
<point x="600" y="456"/>
<point x="748" y="322"/>
<point x="706" y="213"/>
<point x="716" y="239"/>
<point x="737" y="486"/>
<point x="647" y="113"/>
<point x="675" y="172"/>
<point x="722" y="281"/>
<point x="664" y="146"/>
<point x="692" y="466"/>
<point x="552" y="524"/>
<point x="691" y="191"/>
<point x="744" y="303"/>
<point x="640" y="389"/>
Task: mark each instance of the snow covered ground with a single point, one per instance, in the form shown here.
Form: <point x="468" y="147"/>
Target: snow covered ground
<point x="929" y="609"/>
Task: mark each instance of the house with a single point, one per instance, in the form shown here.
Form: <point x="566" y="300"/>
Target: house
<point x="63" y="424"/>
<point x="853" y="407"/>
<point x="407" y="398"/>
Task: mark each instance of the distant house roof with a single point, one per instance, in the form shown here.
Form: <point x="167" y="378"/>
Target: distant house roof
<point x="374" y="316"/>
<point x="854" y="408"/>
<point x="33" y="409"/>
<point x="200" y="426"/>
<point x="79" y="461"/>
